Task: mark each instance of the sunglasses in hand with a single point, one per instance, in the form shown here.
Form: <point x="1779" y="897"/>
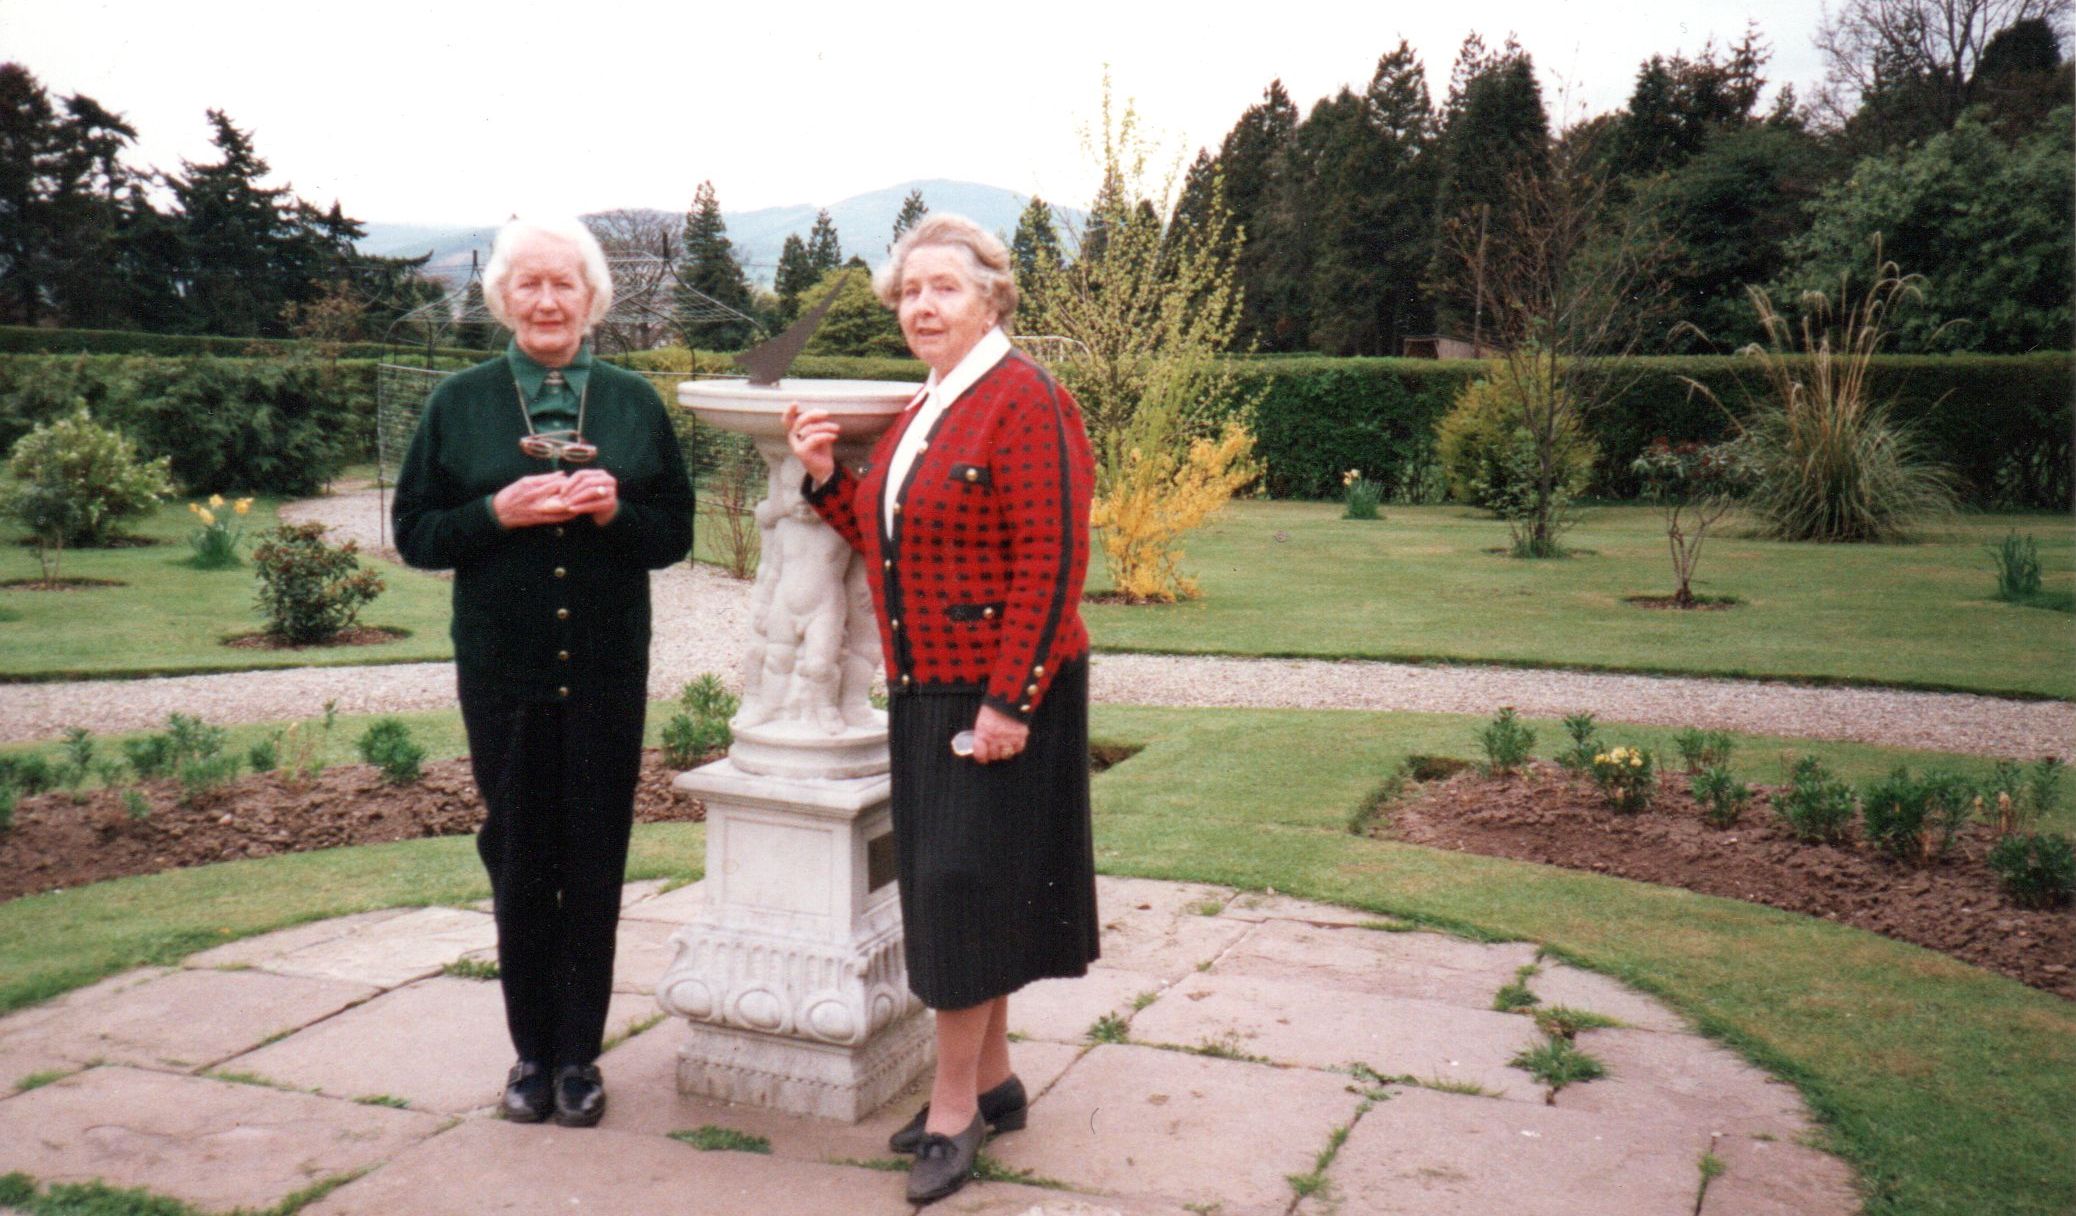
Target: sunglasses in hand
<point x="566" y="446"/>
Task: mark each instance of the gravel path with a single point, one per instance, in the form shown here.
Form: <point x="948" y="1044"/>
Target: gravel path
<point x="1952" y="722"/>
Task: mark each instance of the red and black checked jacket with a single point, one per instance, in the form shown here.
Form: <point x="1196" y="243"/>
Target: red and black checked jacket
<point x="979" y="587"/>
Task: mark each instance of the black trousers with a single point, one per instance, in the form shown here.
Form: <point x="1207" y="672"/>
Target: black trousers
<point x="558" y="780"/>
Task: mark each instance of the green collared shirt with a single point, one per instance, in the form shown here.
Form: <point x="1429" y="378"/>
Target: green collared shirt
<point x="552" y="407"/>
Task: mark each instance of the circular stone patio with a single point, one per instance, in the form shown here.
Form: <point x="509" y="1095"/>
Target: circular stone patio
<point x="1257" y="1056"/>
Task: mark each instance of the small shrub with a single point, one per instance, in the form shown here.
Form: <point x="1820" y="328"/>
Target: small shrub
<point x="75" y="481"/>
<point x="387" y="744"/>
<point x="309" y="590"/>
<point x="1508" y="742"/>
<point x="136" y="805"/>
<point x="10" y="798"/>
<point x="29" y="772"/>
<point x="701" y="727"/>
<point x="1694" y="486"/>
<point x="149" y="756"/>
<point x="1488" y="455"/>
<point x="1721" y="795"/>
<point x="202" y="777"/>
<point x="1816" y="806"/>
<point x="216" y="542"/>
<point x="1361" y="495"/>
<point x="2036" y="870"/>
<point x="1627" y="777"/>
<point x="1915" y="819"/>
<point x="265" y="755"/>
<point x="78" y="760"/>
<point x="1585" y="743"/>
<point x="1700" y="749"/>
<point x="1158" y="484"/>
<point x="303" y="747"/>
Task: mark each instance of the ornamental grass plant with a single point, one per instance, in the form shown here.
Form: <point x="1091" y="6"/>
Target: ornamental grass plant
<point x="1831" y="462"/>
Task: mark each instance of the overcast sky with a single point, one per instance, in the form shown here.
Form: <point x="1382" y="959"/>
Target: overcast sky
<point x="465" y="112"/>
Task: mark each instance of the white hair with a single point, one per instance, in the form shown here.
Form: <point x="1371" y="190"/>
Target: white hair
<point x="987" y="260"/>
<point x="569" y="231"/>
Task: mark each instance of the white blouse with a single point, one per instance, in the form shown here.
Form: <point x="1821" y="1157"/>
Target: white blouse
<point x="937" y="397"/>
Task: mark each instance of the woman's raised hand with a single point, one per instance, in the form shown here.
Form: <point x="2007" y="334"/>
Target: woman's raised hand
<point x="812" y="436"/>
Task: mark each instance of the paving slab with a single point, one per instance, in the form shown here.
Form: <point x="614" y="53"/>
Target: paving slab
<point x="1118" y="899"/>
<point x="183" y="1020"/>
<point x="641" y="952"/>
<point x="252" y="951"/>
<point x="1064" y="1010"/>
<point x="1575" y="988"/>
<point x="211" y="1143"/>
<point x="1423" y="1153"/>
<point x="1290" y="1022"/>
<point x="1777" y="1178"/>
<point x="1432" y="966"/>
<point x="635" y="892"/>
<point x="675" y="907"/>
<point x="1166" y="948"/>
<point x="1142" y="1123"/>
<point x="1686" y="1081"/>
<point x="66" y="1008"/>
<point x="543" y="1170"/>
<point x="439" y="1044"/>
<point x="641" y="1080"/>
<point x="1267" y="905"/>
<point x="392" y="952"/>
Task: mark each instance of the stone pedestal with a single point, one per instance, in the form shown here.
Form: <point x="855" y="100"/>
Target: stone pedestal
<point x="792" y="974"/>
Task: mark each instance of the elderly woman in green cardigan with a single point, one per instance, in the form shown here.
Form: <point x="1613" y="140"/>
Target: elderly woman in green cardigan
<point x="551" y="483"/>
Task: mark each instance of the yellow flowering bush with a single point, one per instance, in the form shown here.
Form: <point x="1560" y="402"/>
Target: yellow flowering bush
<point x="1627" y="777"/>
<point x="1154" y="494"/>
<point x="216" y="542"/>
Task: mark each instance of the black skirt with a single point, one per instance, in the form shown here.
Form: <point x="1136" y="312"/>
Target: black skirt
<point x="996" y="861"/>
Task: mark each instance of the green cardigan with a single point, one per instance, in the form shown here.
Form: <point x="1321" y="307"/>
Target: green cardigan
<point x="544" y="610"/>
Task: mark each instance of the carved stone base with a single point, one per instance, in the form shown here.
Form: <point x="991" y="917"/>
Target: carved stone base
<point x="799" y="749"/>
<point x="802" y="1077"/>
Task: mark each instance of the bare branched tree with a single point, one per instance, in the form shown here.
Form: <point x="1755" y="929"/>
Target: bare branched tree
<point x="1567" y="284"/>
<point x="1870" y="44"/>
<point x="642" y="247"/>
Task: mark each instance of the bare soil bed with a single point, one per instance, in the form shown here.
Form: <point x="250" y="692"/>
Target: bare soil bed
<point x="1546" y="815"/>
<point x="56" y="842"/>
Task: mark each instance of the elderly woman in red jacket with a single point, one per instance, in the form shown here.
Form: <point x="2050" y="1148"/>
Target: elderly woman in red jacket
<point x="972" y="515"/>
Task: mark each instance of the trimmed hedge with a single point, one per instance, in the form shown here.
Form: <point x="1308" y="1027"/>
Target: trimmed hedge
<point x="818" y="367"/>
<point x="33" y="340"/>
<point x="2003" y="423"/>
<point x="268" y="426"/>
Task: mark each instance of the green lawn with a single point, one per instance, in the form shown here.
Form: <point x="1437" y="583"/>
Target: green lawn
<point x="1294" y="579"/>
<point x="1945" y="1085"/>
<point x="171" y="618"/>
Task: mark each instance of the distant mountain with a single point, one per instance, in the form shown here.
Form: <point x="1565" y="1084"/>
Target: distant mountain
<point x="864" y="223"/>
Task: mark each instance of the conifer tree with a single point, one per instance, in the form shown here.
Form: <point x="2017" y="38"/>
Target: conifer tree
<point x="239" y="237"/>
<point x="1035" y="253"/>
<point x="824" y="251"/>
<point x="1494" y="130"/>
<point x="708" y="268"/>
<point x="913" y="209"/>
<point x="1250" y="160"/>
<point x="796" y="273"/>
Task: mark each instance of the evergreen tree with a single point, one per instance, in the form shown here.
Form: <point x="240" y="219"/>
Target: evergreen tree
<point x="1035" y="253"/>
<point x="1678" y="103"/>
<point x="29" y="154"/>
<point x="239" y="238"/>
<point x="913" y="209"/>
<point x="857" y="323"/>
<point x="2021" y="77"/>
<point x="1270" y="272"/>
<point x="1493" y="128"/>
<point x="62" y="186"/>
<point x="796" y="273"/>
<point x="824" y="251"/>
<point x="708" y="268"/>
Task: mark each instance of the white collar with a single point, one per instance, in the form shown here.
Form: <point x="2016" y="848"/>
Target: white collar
<point x="990" y="350"/>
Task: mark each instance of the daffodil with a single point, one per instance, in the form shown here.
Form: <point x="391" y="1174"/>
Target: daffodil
<point x="208" y="517"/>
<point x="242" y="505"/>
<point x="216" y="501"/>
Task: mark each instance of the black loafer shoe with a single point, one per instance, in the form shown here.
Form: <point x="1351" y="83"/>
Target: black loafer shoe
<point x="1004" y="1107"/>
<point x="580" y="1099"/>
<point x="944" y="1163"/>
<point x="528" y="1094"/>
